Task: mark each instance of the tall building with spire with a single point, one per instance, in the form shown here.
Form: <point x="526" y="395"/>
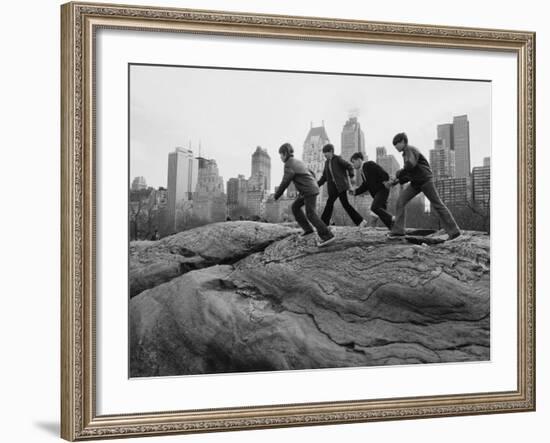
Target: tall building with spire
<point x="182" y="181"/>
<point x="353" y="139"/>
<point x="259" y="183"/>
<point x="261" y="165"/>
<point x="209" y="200"/>
<point x="312" y="154"/>
<point x="209" y="180"/>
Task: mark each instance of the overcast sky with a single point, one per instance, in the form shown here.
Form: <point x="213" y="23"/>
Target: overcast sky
<point x="230" y="112"/>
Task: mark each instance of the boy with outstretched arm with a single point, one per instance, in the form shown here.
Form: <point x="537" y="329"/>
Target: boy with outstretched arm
<point x="296" y="172"/>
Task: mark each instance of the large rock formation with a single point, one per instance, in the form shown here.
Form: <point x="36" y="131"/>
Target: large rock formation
<point x="154" y="262"/>
<point x="362" y="301"/>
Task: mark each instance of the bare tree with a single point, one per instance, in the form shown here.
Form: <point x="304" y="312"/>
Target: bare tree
<point x="239" y="212"/>
<point x="483" y="210"/>
<point x="135" y="211"/>
<point x="185" y="219"/>
<point x="140" y="212"/>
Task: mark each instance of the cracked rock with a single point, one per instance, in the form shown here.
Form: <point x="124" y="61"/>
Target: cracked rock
<point x="286" y="304"/>
<point x="155" y="262"/>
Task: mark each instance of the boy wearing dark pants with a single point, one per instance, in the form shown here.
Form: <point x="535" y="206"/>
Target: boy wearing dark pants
<point x="417" y="171"/>
<point x="337" y="174"/>
<point x="304" y="180"/>
<point x="377" y="181"/>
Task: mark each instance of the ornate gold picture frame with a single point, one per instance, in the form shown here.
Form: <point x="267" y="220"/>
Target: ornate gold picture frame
<point x="80" y="23"/>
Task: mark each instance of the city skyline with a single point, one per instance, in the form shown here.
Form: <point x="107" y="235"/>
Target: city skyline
<point x="230" y="122"/>
<point x="208" y="202"/>
<point x="442" y="165"/>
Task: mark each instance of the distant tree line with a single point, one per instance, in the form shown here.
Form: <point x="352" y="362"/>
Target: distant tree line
<point x="148" y="220"/>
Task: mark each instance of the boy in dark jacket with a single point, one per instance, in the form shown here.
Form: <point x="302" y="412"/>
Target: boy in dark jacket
<point x="337" y="174"/>
<point x="417" y="171"/>
<point x="377" y="182"/>
<point x="304" y="180"/>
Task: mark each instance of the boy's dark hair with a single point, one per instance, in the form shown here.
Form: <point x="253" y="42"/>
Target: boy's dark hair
<point x="287" y="149"/>
<point x="328" y="148"/>
<point x="399" y="138"/>
<point x="357" y="156"/>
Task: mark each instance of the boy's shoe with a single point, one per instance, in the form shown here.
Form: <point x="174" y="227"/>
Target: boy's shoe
<point x="453" y="236"/>
<point x="326" y="240"/>
<point x="363" y="224"/>
<point x="303" y="234"/>
<point x="395" y="236"/>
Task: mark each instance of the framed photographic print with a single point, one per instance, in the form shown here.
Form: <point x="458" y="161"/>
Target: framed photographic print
<point x="281" y="221"/>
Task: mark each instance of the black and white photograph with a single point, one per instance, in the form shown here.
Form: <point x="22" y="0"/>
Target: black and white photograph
<point x="302" y="220"/>
<point x="234" y="221"/>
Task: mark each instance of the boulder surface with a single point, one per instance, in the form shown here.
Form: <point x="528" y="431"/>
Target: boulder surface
<point x="362" y="301"/>
<point x="155" y="262"/>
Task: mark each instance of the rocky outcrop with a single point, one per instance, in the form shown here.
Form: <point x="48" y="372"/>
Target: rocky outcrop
<point x="155" y="262"/>
<point x="361" y="301"/>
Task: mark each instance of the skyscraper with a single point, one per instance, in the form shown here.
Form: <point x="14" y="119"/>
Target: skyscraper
<point x="208" y="179"/>
<point x="259" y="182"/>
<point x="442" y="160"/>
<point x="386" y="161"/>
<point x="261" y="163"/>
<point x="312" y="154"/>
<point x="445" y="133"/>
<point x="353" y="139"/>
<point x="236" y="192"/>
<point x="454" y="192"/>
<point x="209" y="199"/>
<point x="481" y="184"/>
<point x="450" y="161"/>
<point x="255" y="201"/>
<point x="461" y="145"/>
<point x="182" y="180"/>
<point x="380" y="152"/>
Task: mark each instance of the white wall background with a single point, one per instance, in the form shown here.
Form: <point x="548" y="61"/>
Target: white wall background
<point x="29" y="179"/>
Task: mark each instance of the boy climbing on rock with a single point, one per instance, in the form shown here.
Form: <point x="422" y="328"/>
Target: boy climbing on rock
<point x="377" y="181"/>
<point x="417" y="171"/>
<point x="304" y="181"/>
